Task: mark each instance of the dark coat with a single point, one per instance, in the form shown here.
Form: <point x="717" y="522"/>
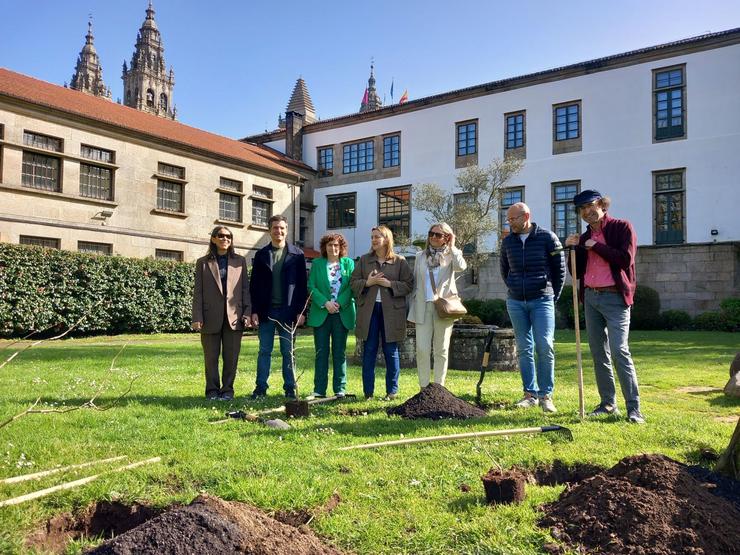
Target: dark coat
<point x="619" y="251"/>
<point x="535" y="268"/>
<point x="393" y="298"/>
<point x="294" y="281"/>
<point x="210" y="302"/>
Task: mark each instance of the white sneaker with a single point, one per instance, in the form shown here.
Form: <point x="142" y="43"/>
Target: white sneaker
<point x="547" y="405"/>
<point x="526" y="402"/>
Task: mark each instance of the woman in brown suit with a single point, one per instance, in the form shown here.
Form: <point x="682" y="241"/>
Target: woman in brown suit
<point x="381" y="281"/>
<point x="221" y="309"/>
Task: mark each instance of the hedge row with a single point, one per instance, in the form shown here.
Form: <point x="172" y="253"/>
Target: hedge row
<point x="646" y="314"/>
<point x="49" y="288"/>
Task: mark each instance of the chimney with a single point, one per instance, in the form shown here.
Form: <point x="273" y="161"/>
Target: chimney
<point x="294" y="135"/>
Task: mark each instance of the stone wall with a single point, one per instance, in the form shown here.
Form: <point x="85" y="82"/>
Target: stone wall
<point x="694" y="278"/>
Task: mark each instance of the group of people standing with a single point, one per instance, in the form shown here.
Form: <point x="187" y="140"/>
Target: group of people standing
<point x="371" y="296"/>
<point x="377" y="294"/>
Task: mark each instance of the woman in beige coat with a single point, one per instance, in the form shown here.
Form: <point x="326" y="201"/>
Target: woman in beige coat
<point x="443" y="259"/>
<point x="380" y="282"/>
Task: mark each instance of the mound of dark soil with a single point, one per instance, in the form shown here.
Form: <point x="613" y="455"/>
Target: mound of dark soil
<point x="561" y="473"/>
<point x="211" y="525"/>
<point x="647" y="504"/>
<point x="436" y="402"/>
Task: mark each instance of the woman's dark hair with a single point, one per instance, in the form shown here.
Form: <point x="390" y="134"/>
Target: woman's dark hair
<point x="328" y="238"/>
<point x="212" y="249"/>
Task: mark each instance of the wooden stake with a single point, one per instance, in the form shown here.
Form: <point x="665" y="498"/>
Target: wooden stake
<point x="579" y="362"/>
<point x="37" y="475"/>
<point x="70" y="485"/>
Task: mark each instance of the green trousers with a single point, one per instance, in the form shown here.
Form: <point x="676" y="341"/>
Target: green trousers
<point x="332" y="330"/>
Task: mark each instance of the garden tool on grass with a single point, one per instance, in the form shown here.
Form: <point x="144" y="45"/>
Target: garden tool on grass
<point x="483" y="365"/>
<point x="561" y="431"/>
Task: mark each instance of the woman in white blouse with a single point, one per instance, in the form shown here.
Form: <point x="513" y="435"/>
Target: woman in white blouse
<point x="442" y="259"/>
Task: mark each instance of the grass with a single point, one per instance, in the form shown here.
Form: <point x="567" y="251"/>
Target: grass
<point x="394" y="500"/>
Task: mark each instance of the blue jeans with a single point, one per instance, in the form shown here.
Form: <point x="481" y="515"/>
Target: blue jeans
<point x="375" y="335"/>
<point x="266" y="332"/>
<point x="534" y="329"/>
<point x="608" y="327"/>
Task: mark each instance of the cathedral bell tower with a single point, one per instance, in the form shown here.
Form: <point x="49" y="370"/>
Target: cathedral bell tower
<point x="88" y="75"/>
<point x="147" y="86"/>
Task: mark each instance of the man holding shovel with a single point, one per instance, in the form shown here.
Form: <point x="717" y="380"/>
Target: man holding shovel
<point x="605" y="268"/>
<point x="533" y="269"/>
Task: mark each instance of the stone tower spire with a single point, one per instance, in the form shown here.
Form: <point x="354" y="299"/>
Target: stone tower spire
<point x="147" y="85"/>
<point x="372" y="102"/>
<point x="88" y="75"/>
<point x="301" y="103"/>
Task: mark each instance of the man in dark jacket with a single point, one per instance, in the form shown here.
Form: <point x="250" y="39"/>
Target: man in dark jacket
<point x="605" y="268"/>
<point x="533" y="268"/>
<point x="278" y="288"/>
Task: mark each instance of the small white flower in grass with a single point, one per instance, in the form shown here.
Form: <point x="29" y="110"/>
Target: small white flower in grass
<point x="415" y="482"/>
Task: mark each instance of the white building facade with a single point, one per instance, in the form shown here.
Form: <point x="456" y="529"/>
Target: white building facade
<point x="657" y="130"/>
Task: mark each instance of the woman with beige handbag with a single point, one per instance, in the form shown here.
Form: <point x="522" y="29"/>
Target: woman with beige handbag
<point x="434" y="301"/>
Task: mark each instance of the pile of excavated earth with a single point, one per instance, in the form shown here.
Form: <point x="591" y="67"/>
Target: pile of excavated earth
<point x="436" y="402"/>
<point x="648" y="504"/>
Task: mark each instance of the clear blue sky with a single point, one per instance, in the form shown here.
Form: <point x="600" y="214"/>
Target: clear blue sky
<point x="236" y="62"/>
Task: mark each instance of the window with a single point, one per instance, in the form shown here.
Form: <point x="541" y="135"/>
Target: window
<point x="467" y="138"/>
<point x="164" y="254"/>
<point x="326" y="161"/>
<point x="230" y="184"/>
<point x="391" y="151"/>
<point x="94" y="248"/>
<point x="564" y="217"/>
<point x="567" y="122"/>
<point x="230" y="207"/>
<point x="45" y="142"/>
<point x="96" y="182"/>
<point x="358" y="157"/>
<point x="163" y="102"/>
<point x="48" y="242"/>
<point x="509" y="196"/>
<point x="302" y="230"/>
<point x="669" y="88"/>
<point x="40" y="172"/>
<point x="515" y="131"/>
<point x="150" y="98"/>
<point x="97" y="154"/>
<point x="169" y="196"/>
<point x="340" y="210"/>
<point x="170" y="171"/>
<point x="261" y="205"/>
<point x="669" y="206"/>
<point x="394" y="210"/>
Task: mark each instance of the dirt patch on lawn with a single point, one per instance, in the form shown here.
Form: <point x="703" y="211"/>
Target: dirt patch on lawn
<point x="436" y="402"/>
<point x="697" y="389"/>
<point x="561" y="473"/>
<point x="727" y="419"/>
<point x="208" y="525"/>
<point x="645" y="504"/>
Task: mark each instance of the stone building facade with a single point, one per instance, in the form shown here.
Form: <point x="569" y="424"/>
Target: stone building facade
<point x="81" y="173"/>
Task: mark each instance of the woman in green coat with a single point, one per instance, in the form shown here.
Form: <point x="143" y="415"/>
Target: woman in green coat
<point x="332" y="313"/>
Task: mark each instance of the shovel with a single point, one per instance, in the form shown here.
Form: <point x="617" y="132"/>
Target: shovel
<point x="562" y="431"/>
<point x="483" y="366"/>
<point x="577" y="324"/>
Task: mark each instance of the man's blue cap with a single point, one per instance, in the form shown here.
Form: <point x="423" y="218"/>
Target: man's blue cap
<point x="586" y="197"/>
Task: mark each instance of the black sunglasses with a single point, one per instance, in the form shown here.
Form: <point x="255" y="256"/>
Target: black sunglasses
<point x="437" y="234"/>
<point x="223" y="236"/>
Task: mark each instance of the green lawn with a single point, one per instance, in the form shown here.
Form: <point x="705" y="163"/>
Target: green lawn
<point x="394" y="500"/>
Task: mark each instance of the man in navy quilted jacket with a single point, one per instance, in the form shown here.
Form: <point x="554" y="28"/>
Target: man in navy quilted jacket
<point x="533" y="268"/>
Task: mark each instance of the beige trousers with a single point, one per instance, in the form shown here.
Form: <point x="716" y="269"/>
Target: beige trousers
<point x="434" y="333"/>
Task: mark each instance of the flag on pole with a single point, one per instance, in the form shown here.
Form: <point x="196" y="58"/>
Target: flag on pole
<point x="404" y="97"/>
<point x="364" y="98"/>
<point x="391" y="90"/>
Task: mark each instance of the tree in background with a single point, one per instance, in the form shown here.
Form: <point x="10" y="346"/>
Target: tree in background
<point x="472" y="209"/>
